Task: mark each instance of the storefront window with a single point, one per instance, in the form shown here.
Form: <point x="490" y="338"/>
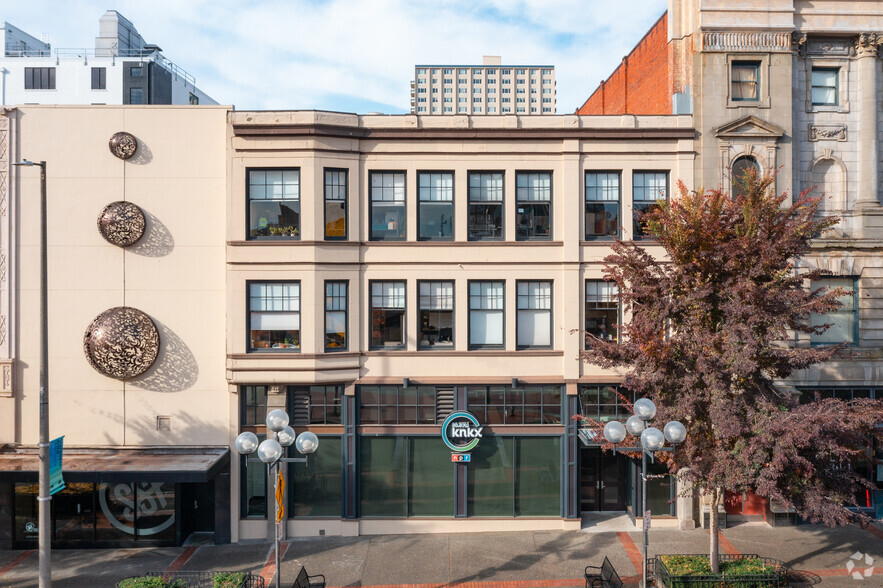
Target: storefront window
<point x="490" y="478"/>
<point x="659" y="490"/>
<point x="317" y="485"/>
<point x="75" y="512"/>
<point x="26" y="513"/>
<point x="504" y="405"/>
<point x="406" y="476"/>
<point x="397" y="405"/>
<point x="254" y="486"/>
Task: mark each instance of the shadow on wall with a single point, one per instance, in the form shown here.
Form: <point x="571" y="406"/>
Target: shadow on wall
<point x="183" y="428"/>
<point x="143" y="155"/>
<point x="157" y="240"/>
<point x="175" y="369"/>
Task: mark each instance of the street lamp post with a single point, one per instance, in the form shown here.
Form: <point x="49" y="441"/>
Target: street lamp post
<point x="271" y="451"/>
<point x="652" y="440"/>
<point x="45" y="525"/>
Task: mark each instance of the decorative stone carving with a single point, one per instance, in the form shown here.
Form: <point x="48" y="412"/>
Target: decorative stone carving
<point x="121" y="223"/>
<point x="828" y="46"/>
<point x="737" y="41"/>
<point x="827" y="133"/>
<point x="123" y="145"/>
<point x="121" y="343"/>
<point x="798" y="43"/>
<point x="867" y="44"/>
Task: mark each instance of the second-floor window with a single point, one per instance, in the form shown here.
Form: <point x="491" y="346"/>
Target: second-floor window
<point x="39" y="78"/>
<point x="274" y="315"/>
<point x="534" y="325"/>
<point x="533" y="205"/>
<point x="602" y="205"/>
<point x="485" y="206"/>
<point x="273" y="203"/>
<point x="844" y="321"/>
<point x="602" y="310"/>
<point x="387" y="315"/>
<point x="387" y="206"/>
<point x="825" y="86"/>
<point x="436" y="210"/>
<point x="745" y="81"/>
<point x="436" y="302"/>
<point x="647" y="188"/>
<point x="486" y="314"/>
<point x="336" y="305"/>
<point x="335" y="204"/>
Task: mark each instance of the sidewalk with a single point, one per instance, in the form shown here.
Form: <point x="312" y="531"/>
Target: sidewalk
<point x="541" y="559"/>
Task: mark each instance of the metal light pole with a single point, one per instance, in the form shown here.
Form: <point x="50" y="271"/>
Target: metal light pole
<point x="652" y="440"/>
<point x="270" y="451"/>
<point x="45" y="524"/>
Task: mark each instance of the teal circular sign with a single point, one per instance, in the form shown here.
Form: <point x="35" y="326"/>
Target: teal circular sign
<point x="461" y="431"/>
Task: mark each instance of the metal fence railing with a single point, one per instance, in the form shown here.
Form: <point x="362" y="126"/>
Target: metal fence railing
<point x="774" y="575"/>
<point x="204" y="579"/>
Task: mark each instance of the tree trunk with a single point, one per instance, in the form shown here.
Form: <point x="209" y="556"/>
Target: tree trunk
<point x="714" y="550"/>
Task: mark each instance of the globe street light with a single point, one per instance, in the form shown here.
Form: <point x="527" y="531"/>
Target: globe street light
<point x="652" y="440"/>
<point x="271" y="451"/>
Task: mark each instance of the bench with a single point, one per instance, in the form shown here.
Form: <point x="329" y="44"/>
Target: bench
<point x="605" y="577"/>
<point x="304" y="580"/>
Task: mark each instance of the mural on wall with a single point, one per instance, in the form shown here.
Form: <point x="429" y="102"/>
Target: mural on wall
<point x="121" y="343"/>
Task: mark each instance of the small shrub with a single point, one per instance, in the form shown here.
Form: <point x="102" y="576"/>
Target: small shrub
<point x="150" y="582"/>
<point x="228" y="579"/>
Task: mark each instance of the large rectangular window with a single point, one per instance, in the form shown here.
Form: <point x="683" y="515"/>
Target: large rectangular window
<point x="533" y="205"/>
<point x="252" y="417"/>
<point x="604" y="403"/>
<point x="336" y="319"/>
<point x="602" y="205"/>
<point x="273" y="203"/>
<point x="400" y="477"/>
<point x="387" y="315"/>
<point x="745" y="78"/>
<point x="315" y="405"/>
<point x="844" y="321"/>
<point x="39" y="78"/>
<point x="825" y="86"/>
<point x="397" y="405"/>
<point x="99" y="78"/>
<point x="274" y="315"/>
<point x="534" y="321"/>
<point x="524" y="405"/>
<point x="317" y="486"/>
<point x="485" y="206"/>
<point x="486" y="314"/>
<point x="435" y="214"/>
<point x="602" y="311"/>
<point x="136" y="95"/>
<point x="436" y="304"/>
<point x="336" y="186"/>
<point x="387" y="206"/>
<point x="515" y="476"/>
<point x="647" y="189"/>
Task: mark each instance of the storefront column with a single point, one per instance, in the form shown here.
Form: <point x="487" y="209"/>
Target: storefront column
<point x="866" y="54"/>
<point x="685" y="501"/>
<point x="222" y="507"/>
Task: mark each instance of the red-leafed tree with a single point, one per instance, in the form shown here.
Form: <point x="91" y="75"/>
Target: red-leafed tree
<point x="711" y="330"/>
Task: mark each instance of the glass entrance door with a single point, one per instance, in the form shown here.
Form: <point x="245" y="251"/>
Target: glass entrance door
<point x="602" y="480"/>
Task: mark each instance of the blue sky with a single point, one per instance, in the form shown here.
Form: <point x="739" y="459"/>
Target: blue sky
<point x="356" y="56"/>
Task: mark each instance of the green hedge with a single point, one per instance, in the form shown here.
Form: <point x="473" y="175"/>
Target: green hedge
<point x="150" y="582"/>
<point x="695" y="570"/>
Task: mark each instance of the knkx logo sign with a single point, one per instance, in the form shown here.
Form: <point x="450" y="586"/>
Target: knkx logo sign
<point x="461" y="431"/>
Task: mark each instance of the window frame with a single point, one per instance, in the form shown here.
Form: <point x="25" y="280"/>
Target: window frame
<point x="480" y="409"/>
<point x="527" y="201"/>
<point x="813" y="86"/>
<point x="470" y="203"/>
<point x="101" y="82"/>
<point x="32" y="74"/>
<point x="404" y="327"/>
<point x="420" y="311"/>
<point x="404" y="204"/>
<point x="259" y="429"/>
<point x="762" y="63"/>
<point x="614" y="298"/>
<point x="550" y="311"/>
<point x="325" y="201"/>
<point x="502" y="311"/>
<point x="248" y="200"/>
<point x="421" y="202"/>
<point x="400" y="395"/>
<point x="248" y="340"/>
<point x="734" y="173"/>
<point x="750" y="66"/>
<point x="844" y="311"/>
<point x="618" y="202"/>
<point x="296" y="391"/>
<point x="636" y="235"/>
<point x="346" y="315"/>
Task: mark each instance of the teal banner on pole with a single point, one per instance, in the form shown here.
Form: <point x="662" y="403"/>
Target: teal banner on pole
<point x="56" y="483"/>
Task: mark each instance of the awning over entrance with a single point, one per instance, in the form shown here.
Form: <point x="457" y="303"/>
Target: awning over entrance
<point x="192" y="465"/>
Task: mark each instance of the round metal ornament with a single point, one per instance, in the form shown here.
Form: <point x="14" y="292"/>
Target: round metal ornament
<point x="123" y="144"/>
<point x="121" y="343"/>
<point x="121" y="223"/>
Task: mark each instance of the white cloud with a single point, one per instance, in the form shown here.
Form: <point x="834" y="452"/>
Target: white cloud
<point x="346" y="54"/>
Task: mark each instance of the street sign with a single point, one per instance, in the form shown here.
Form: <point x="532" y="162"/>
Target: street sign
<point x="56" y="483"/>
<point x="461" y="457"/>
<point x="646" y="520"/>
